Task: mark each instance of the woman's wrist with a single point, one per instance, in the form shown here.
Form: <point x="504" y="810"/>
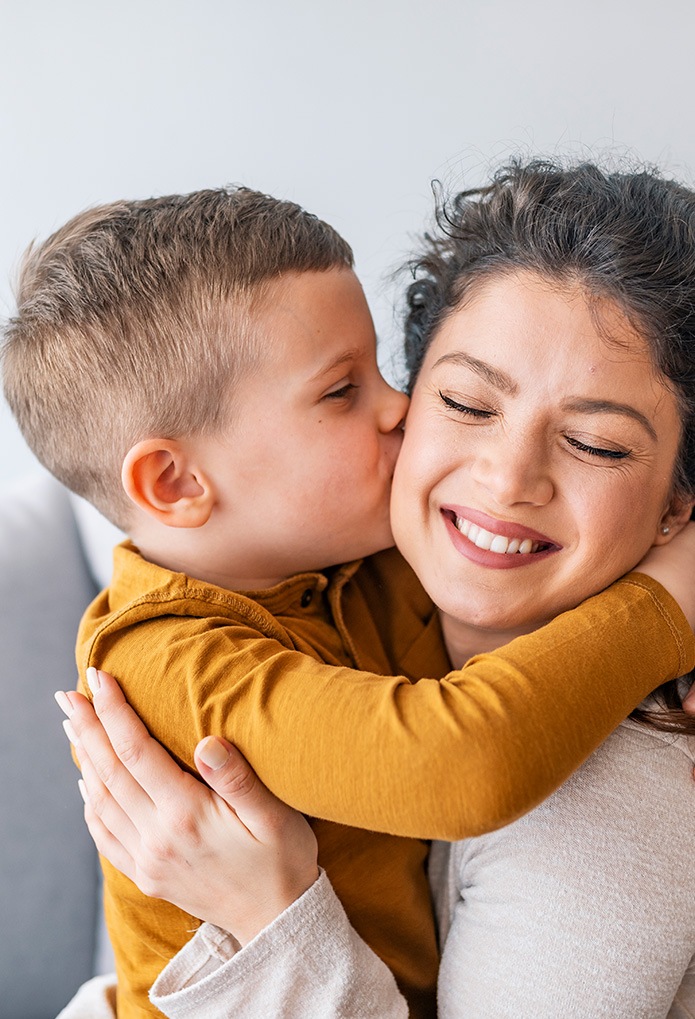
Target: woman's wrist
<point x="269" y="910"/>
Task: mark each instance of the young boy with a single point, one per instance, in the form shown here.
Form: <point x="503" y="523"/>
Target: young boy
<point x="202" y="368"/>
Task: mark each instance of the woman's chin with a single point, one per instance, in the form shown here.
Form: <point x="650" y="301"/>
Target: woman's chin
<point x="489" y="618"/>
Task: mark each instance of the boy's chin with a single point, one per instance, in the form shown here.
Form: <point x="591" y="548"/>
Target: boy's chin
<point x="362" y="551"/>
<point x="379" y="544"/>
<point x="381" y="547"/>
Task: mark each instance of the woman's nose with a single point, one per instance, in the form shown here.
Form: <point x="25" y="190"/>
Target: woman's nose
<point x="514" y="474"/>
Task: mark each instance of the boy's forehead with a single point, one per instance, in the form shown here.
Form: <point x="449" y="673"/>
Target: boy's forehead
<point x="314" y="320"/>
<point x="298" y="288"/>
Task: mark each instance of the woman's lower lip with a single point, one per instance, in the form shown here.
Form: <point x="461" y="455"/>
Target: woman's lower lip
<point x="492" y="560"/>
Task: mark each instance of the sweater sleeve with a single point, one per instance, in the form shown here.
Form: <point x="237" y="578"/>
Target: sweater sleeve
<point x="307" y="964"/>
<point x="592" y="892"/>
<point x="432" y="759"/>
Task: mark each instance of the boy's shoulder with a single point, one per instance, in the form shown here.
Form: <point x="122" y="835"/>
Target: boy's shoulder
<point x="141" y="587"/>
<point x="184" y="650"/>
<point x="137" y="584"/>
<point x="141" y="593"/>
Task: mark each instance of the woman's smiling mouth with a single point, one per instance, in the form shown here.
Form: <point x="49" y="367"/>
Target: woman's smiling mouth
<point x="497" y="542"/>
<point x="490" y="547"/>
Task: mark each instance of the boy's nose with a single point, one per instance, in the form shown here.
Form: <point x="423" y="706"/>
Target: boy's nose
<point x="394" y="407"/>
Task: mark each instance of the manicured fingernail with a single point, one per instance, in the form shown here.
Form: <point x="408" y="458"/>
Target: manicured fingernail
<point x="70" y="733"/>
<point x="63" y="702"/>
<point x="213" y="753"/>
<point x="83" y="789"/>
<point x="93" y="680"/>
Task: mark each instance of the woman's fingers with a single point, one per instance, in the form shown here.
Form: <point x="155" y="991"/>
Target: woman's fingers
<point x="92" y="745"/>
<point x="153" y="770"/>
<point x="106" y="809"/>
<point x="136" y="769"/>
<point x="107" y="844"/>
<point x="110" y="826"/>
<point x="231" y="776"/>
<point x="229" y="851"/>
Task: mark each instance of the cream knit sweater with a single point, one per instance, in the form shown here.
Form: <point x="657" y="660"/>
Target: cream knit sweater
<point x="584" y="908"/>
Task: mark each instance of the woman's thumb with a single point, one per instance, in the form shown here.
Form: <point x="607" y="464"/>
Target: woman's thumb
<point x="228" y="772"/>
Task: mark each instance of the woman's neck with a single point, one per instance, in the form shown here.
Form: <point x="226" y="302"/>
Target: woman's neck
<point x="463" y="640"/>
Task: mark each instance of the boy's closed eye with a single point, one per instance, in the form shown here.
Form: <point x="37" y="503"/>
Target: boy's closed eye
<point x="341" y="391"/>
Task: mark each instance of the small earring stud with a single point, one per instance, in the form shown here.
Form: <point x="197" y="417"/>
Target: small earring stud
<point x="665" y="530"/>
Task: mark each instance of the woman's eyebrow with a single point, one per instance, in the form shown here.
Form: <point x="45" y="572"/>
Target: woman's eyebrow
<point x="586" y="406"/>
<point x="499" y="379"/>
<point x="506" y="384"/>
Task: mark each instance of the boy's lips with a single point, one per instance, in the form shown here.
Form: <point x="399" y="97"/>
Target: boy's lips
<point x="499" y="544"/>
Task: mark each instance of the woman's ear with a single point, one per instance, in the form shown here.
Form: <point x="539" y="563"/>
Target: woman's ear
<point x="674" y="519"/>
<point x="162" y="479"/>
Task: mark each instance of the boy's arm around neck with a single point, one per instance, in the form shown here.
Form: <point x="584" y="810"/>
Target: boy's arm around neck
<point x="434" y="759"/>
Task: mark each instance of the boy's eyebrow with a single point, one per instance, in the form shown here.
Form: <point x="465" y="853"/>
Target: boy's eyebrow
<point x="348" y="355"/>
<point x="497" y="378"/>
<point x="587" y="406"/>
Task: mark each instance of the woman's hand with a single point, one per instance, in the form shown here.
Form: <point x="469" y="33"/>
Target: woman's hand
<point x="233" y="855"/>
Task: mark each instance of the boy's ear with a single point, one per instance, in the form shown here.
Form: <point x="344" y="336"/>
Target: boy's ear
<point x="161" y="478"/>
<point x="674" y="519"/>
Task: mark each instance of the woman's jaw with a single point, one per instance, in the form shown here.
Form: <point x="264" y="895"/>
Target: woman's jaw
<point x="537" y="461"/>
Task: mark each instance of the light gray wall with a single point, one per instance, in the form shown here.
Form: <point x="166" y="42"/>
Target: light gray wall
<point x="347" y="107"/>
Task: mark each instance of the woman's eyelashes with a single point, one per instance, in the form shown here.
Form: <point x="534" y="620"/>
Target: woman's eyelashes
<point x="597" y="451"/>
<point x="587" y="448"/>
<point x="462" y="408"/>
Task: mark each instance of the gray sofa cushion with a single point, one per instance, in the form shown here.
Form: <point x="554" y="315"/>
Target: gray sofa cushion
<point x="48" y="865"/>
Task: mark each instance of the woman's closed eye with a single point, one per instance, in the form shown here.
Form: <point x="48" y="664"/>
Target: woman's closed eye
<point x="597" y="451"/>
<point x="464" y="409"/>
<point x="588" y="449"/>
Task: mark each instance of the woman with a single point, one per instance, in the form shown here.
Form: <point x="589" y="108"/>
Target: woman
<point x="550" y="443"/>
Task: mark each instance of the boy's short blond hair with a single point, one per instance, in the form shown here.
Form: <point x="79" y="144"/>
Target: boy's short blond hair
<point x="135" y="320"/>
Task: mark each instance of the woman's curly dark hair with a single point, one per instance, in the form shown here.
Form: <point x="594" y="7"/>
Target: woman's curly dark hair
<point x="627" y="236"/>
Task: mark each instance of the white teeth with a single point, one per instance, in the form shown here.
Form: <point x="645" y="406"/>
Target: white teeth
<point x="499" y="544"/>
<point x="483" y="538"/>
<point x="495" y="542"/>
